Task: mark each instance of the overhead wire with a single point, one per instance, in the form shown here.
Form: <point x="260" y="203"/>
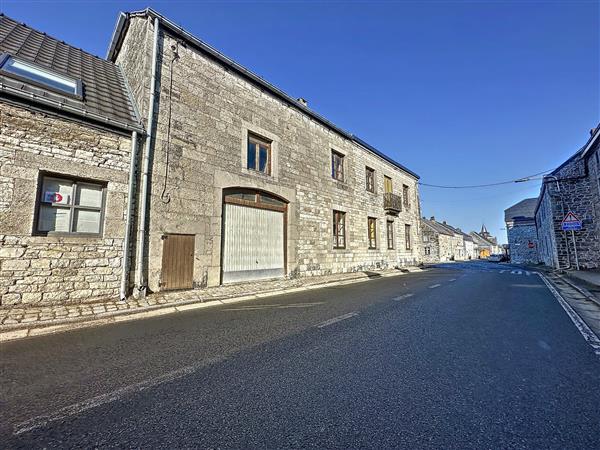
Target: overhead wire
<point x="535" y="176"/>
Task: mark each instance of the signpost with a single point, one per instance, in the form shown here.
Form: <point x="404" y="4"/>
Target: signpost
<point x="572" y="223"/>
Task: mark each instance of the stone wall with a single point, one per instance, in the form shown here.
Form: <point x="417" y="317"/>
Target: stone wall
<point x="520" y="235"/>
<point x="431" y="242"/>
<point x="577" y="193"/>
<point x="44" y="269"/>
<point x="212" y="109"/>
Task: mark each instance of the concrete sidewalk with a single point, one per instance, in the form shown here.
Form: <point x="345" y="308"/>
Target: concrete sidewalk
<point x="22" y="321"/>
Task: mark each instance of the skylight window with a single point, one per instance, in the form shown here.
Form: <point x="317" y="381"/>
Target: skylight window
<point x="41" y="75"/>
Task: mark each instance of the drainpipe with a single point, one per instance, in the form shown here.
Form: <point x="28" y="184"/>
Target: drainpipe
<point x="130" y="211"/>
<point x="141" y="239"/>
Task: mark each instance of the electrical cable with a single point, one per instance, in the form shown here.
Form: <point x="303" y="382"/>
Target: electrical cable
<point x="533" y="177"/>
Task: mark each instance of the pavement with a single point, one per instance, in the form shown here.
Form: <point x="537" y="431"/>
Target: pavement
<point x="465" y="355"/>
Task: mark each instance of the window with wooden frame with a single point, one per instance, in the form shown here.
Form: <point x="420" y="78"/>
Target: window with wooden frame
<point x="390" y="235"/>
<point x="370" y="179"/>
<point x="407" y="236"/>
<point x="337" y="165"/>
<point x="259" y="154"/>
<point x="339" y="229"/>
<point x="69" y="206"/>
<point x="405" y="197"/>
<point x="372" y="232"/>
<point x="387" y="185"/>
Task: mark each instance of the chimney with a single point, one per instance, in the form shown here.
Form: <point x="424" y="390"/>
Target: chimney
<point x="432" y="218"/>
<point x="303" y="102"/>
<point x="444" y="222"/>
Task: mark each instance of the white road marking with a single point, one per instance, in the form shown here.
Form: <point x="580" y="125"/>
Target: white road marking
<point x="402" y="297"/>
<point x="452" y="279"/>
<point x="527" y="272"/>
<point x="337" y="319"/>
<point x="502" y="271"/>
<point x="583" y="328"/>
<point x="433" y="286"/>
<point x="78" y="408"/>
<point x="516" y="272"/>
<point x="260" y="307"/>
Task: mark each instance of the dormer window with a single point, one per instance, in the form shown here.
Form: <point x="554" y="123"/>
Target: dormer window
<point x="40" y="75"/>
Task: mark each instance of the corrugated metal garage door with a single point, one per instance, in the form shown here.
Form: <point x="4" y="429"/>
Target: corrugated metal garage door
<point x="253" y="243"/>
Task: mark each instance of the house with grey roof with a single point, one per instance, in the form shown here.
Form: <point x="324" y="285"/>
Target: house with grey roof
<point x="485" y="244"/>
<point x="247" y="182"/>
<point x="522" y="232"/>
<point x="441" y="242"/>
<point x="573" y="187"/>
<point x="68" y="138"/>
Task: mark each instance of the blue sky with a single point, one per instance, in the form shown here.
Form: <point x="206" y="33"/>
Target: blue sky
<point x="460" y="92"/>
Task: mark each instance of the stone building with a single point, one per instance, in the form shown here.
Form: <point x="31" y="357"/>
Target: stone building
<point x="522" y="232"/>
<point x="441" y="242"/>
<point x="246" y="182"/>
<point x="574" y="187"/>
<point x="485" y="244"/>
<point x="67" y="126"/>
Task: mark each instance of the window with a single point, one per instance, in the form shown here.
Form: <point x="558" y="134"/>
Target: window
<point x="425" y="238"/>
<point x="370" y="179"/>
<point x="428" y="250"/>
<point x="407" y="236"/>
<point x="372" y="232"/>
<point x="259" y="154"/>
<point x="387" y="185"/>
<point x="337" y="165"/>
<point x="40" y="75"/>
<point x="339" y="229"/>
<point x="405" y="199"/>
<point x="390" y="235"/>
<point x="69" y="206"/>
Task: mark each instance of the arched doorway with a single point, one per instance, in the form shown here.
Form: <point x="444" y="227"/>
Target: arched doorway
<point x="253" y="238"/>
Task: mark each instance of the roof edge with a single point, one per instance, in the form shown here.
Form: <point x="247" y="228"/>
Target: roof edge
<point x="123" y="23"/>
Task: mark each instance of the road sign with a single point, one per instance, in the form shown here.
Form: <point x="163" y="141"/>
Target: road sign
<point x="531" y="244"/>
<point x="571" y="222"/>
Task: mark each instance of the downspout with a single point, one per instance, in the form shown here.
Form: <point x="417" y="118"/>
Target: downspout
<point x="130" y="212"/>
<point x="141" y="244"/>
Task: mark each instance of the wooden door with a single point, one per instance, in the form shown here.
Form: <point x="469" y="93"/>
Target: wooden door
<point x="177" y="261"/>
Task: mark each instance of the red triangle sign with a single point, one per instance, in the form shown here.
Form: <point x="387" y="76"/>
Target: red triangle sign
<point x="570" y="217"/>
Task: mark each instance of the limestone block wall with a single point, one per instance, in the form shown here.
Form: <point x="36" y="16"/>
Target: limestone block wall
<point x="519" y="237"/>
<point x="45" y="269"/>
<point x="430" y="241"/>
<point x="201" y="150"/>
<point x="578" y="194"/>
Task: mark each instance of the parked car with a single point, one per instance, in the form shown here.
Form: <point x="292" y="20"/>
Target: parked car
<point x="495" y="258"/>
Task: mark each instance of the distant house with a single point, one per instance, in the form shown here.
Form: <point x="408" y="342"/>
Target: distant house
<point x="485" y="243"/>
<point x="441" y="242"/>
<point x="521" y="232"/>
<point x="574" y="186"/>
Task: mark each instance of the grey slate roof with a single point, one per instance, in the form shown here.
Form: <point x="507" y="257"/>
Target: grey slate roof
<point x="523" y="209"/>
<point x="121" y="28"/>
<point x="437" y="227"/>
<point x="105" y="94"/>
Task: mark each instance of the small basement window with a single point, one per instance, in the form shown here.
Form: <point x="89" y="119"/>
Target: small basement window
<point x="40" y="75"/>
<point x="70" y="206"/>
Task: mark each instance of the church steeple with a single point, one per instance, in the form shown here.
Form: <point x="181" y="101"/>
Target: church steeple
<point x="484" y="232"/>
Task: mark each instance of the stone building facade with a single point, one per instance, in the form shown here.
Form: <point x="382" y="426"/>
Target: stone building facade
<point x="439" y="242"/>
<point x="211" y="116"/>
<point x="572" y="187"/>
<point x="64" y="170"/>
<point x="522" y="232"/>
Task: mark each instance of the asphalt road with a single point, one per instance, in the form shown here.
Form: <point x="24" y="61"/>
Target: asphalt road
<point x="459" y="356"/>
